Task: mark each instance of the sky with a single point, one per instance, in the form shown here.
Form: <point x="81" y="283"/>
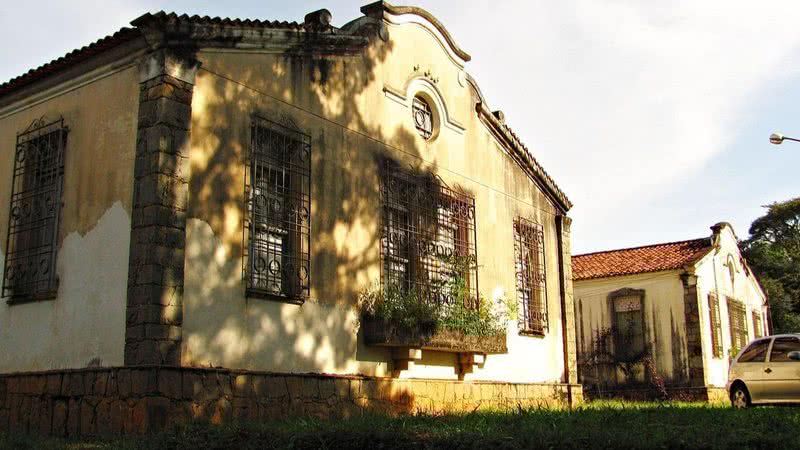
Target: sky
<point x="653" y="117"/>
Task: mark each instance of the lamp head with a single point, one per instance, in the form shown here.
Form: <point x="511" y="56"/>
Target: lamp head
<point x="776" y="138"/>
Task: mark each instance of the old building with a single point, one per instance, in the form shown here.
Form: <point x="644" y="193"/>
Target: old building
<point x="194" y="205"/>
<point x="688" y="307"/>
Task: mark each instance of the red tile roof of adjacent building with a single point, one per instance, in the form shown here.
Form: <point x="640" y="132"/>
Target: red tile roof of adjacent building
<point x="630" y="261"/>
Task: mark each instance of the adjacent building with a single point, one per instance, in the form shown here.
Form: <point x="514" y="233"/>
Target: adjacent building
<point x="676" y="312"/>
<point x="193" y="205"/>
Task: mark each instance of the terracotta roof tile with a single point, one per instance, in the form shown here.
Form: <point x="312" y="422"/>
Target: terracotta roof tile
<point x="629" y="261"/>
<point x="172" y="17"/>
<point x="70" y="59"/>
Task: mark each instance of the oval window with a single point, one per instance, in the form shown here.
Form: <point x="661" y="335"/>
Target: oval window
<point x="423" y="117"/>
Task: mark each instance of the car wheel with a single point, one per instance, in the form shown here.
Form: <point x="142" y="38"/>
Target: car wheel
<point x="740" y="398"/>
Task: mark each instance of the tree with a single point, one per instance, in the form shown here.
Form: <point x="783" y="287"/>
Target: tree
<point x="773" y="252"/>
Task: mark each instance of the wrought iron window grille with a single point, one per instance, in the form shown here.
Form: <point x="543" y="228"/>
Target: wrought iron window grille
<point x="423" y="117"/>
<point x="36" y="200"/>
<point x="428" y="242"/>
<point x="531" y="278"/>
<point x="277" y="228"/>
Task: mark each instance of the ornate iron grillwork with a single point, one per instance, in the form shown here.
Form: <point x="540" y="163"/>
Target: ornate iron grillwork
<point x="531" y="279"/>
<point x="428" y="242"/>
<point x="35" y="208"/>
<point x="278" y="219"/>
<point x="716" y="325"/>
<point x="423" y="117"/>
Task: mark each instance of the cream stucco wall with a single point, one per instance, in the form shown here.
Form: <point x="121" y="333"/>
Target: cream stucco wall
<point x="85" y="324"/>
<point x="664" y="309"/>
<point x="714" y="276"/>
<point x="663" y="315"/>
<point x="355" y="108"/>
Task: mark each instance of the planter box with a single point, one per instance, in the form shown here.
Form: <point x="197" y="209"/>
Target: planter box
<point x="381" y="334"/>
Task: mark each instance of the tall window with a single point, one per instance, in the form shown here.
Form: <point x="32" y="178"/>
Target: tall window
<point x="428" y="242"/>
<point x="716" y="325"/>
<point x="757" y="327"/>
<point x="737" y="316"/>
<point x="278" y="194"/>
<point x="36" y="198"/>
<point x="628" y="314"/>
<point x="531" y="280"/>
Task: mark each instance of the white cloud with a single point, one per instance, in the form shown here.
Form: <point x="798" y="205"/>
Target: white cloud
<point x="35" y="33"/>
<point x="620" y="100"/>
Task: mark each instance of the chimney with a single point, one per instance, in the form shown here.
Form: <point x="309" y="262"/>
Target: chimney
<point x="319" y="20"/>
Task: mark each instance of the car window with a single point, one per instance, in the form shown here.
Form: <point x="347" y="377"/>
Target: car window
<point x="782" y="347"/>
<point x="756" y="352"/>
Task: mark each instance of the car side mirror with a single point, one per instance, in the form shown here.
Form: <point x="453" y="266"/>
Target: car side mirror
<point x="794" y="356"/>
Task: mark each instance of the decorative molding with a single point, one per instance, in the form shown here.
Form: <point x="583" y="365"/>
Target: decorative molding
<point x="420" y="84"/>
<point x="399" y="15"/>
<point x="428" y="74"/>
<point x="395" y="95"/>
<point x="626" y="292"/>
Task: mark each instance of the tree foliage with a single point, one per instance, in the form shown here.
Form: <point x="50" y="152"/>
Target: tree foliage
<point x="773" y="252"/>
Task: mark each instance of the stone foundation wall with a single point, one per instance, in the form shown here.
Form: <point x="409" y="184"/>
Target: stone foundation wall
<point x="106" y="401"/>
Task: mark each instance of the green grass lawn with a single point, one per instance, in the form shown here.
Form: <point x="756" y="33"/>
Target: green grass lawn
<point x="596" y="425"/>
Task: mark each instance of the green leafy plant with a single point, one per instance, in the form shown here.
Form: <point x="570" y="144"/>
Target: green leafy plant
<point x="399" y="309"/>
<point x="409" y="311"/>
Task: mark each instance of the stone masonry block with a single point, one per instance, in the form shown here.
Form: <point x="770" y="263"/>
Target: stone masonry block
<point x="158" y="235"/>
<point x="277" y="387"/>
<point x="164" y="88"/>
<point x="169" y="384"/>
<point x="162" y="332"/>
<point x="144" y="381"/>
<point x="53" y="386"/>
<point x="160" y="190"/>
<point x="164" y="111"/>
<point x="242" y="386"/>
<point x="191" y="385"/>
<point x="161" y="216"/>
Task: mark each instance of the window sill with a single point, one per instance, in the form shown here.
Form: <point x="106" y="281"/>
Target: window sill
<point x="262" y="295"/>
<point x="532" y="334"/>
<point x="32" y="298"/>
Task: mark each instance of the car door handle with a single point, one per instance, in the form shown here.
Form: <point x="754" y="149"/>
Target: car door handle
<point x="768" y="370"/>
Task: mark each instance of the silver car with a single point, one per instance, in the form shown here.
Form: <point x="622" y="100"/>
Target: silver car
<point x="766" y="371"/>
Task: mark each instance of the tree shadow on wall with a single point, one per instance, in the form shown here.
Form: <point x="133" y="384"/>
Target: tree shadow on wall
<point x="332" y="96"/>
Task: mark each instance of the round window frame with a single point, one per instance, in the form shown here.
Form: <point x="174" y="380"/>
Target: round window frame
<point x="435" y="115"/>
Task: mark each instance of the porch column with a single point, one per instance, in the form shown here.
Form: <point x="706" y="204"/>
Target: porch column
<point x="156" y="262"/>
<point x="567" y="300"/>
<point x="694" y="344"/>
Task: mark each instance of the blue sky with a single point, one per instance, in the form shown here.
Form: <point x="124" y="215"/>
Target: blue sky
<point x="653" y="117"/>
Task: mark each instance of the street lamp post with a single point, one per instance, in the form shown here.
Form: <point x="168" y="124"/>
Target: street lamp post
<point x="777" y="138"/>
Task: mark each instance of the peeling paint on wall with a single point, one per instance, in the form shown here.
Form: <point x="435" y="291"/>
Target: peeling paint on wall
<point x="85" y="324"/>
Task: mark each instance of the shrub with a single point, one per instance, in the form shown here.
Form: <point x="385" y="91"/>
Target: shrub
<point x="409" y="311"/>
